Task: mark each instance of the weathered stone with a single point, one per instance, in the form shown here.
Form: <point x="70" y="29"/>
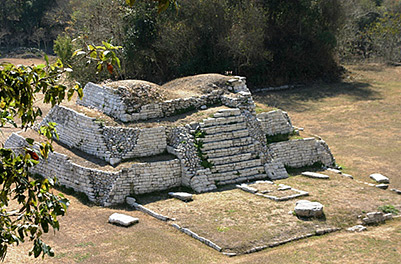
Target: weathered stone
<point x="315" y="175"/>
<point x="373" y="218"/>
<point x="334" y="170"/>
<point x="396" y="191"/>
<point x="246" y="188"/>
<point x="114" y="161"/>
<point x="283" y="187"/>
<point x="357" y="228"/>
<point x="347" y="175"/>
<point x="130" y="201"/>
<point x="122" y="219"/>
<point x="305" y="208"/>
<point x="379" y="178"/>
<point x="183" y="196"/>
<point x="382" y="186"/>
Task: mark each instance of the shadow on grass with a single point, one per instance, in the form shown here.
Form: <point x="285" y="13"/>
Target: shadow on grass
<point x="297" y="99"/>
<point x="148" y="198"/>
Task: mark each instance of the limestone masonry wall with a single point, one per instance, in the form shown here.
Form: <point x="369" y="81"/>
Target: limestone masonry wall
<point x="105" y="187"/>
<point x="229" y="147"/>
<point x="109" y="102"/>
<point x="112" y="144"/>
<point x="302" y="152"/>
<point x="275" y="122"/>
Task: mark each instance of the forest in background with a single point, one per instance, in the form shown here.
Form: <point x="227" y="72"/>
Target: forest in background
<point x="272" y="42"/>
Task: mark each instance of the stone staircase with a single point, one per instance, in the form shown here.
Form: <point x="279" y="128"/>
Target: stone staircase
<point x="229" y="147"/>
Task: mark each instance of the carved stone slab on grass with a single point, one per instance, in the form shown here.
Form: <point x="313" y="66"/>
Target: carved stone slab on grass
<point x="374" y="218"/>
<point x="305" y="208"/>
<point x="183" y="196"/>
<point x="357" y="228"/>
<point x="315" y="175"/>
<point x="396" y="191"/>
<point x="379" y="178"/>
<point x="122" y="219"/>
<point x="382" y="186"/>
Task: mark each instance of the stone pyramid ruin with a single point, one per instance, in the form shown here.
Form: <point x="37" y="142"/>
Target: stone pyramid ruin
<point x="146" y="153"/>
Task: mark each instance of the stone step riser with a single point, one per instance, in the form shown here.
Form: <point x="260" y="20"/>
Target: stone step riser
<point x="236" y="166"/>
<point x="219" y="153"/>
<point x="240" y="173"/>
<point x="233" y="158"/>
<point x="225" y="136"/>
<point x="224" y="128"/>
<point x="221" y="121"/>
<point x="227" y="143"/>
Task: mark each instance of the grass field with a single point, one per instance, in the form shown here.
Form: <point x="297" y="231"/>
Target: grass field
<point x="360" y="121"/>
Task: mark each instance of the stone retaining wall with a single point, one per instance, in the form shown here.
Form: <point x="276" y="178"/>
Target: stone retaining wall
<point x="302" y="152"/>
<point x="275" y="122"/>
<point x="109" y="102"/>
<point x="105" y="187"/>
<point x="112" y="144"/>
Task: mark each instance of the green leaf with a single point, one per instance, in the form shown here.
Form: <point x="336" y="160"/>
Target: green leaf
<point x="30" y="141"/>
<point x="130" y="2"/>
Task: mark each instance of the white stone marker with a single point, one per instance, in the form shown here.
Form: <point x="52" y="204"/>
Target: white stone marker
<point x="305" y="208"/>
<point x="379" y="178"/>
<point x="315" y="175"/>
<point x="122" y="219"/>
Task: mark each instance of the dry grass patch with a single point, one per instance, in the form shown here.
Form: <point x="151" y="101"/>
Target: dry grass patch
<point x="238" y="221"/>
<point x="358" y="118"/>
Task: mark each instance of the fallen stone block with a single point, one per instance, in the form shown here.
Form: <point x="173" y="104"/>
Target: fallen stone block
<point x="334" y="170"/>
<point x="373" y="218"/>
<point x="183" y="196"/>
<point x="315" y="175"/>
<point x="305" y="208"/>
<point x="347" y="175"/>
<point x="382" y="186"/>
<point x="357" y="228"/>
<point x="283" y="187"/>
<point x="130" y="201"/>
<point x="122" y="219"/>
<point x="379" y="178"/>
<point x="246" y="188"/>
<point x="396" y="191"/>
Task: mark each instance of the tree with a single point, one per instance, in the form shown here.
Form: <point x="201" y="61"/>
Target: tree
<point x="28" y="208"/>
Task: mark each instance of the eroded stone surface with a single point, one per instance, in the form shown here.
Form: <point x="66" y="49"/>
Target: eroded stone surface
<point x="183" y="196"/>
<point x="357" y="228"/>
<point x="122" y="219"/>
<point x="305" y="208"/>
<point x="379" y="178"/>
<point x="382" y="186"/>
<point x="315" y="175"/>
<point x="374" y="218"/>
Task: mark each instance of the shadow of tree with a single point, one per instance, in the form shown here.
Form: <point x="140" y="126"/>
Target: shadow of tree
<point x="297" y="99"/>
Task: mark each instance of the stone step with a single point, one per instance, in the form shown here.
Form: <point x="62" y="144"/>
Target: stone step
<point x="225" y="136"/>
<point x="246" y="172"/>
<point x="221" y="121"/>
<point x="227" y="112"/>
<point x="232" y="158"/>
<point x="242" y="179"/>
<point x="224" y="128"/>
<point x="236" y="165"/>
<point x="222" y="152"/>
<point x="237" y="142"/>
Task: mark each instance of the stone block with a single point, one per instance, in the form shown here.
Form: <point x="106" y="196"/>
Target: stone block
<point x="122" y="219"/>
<point x="379" y="178"/>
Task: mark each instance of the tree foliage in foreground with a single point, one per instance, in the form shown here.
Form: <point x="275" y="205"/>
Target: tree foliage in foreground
<point x="27" y="206"/>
